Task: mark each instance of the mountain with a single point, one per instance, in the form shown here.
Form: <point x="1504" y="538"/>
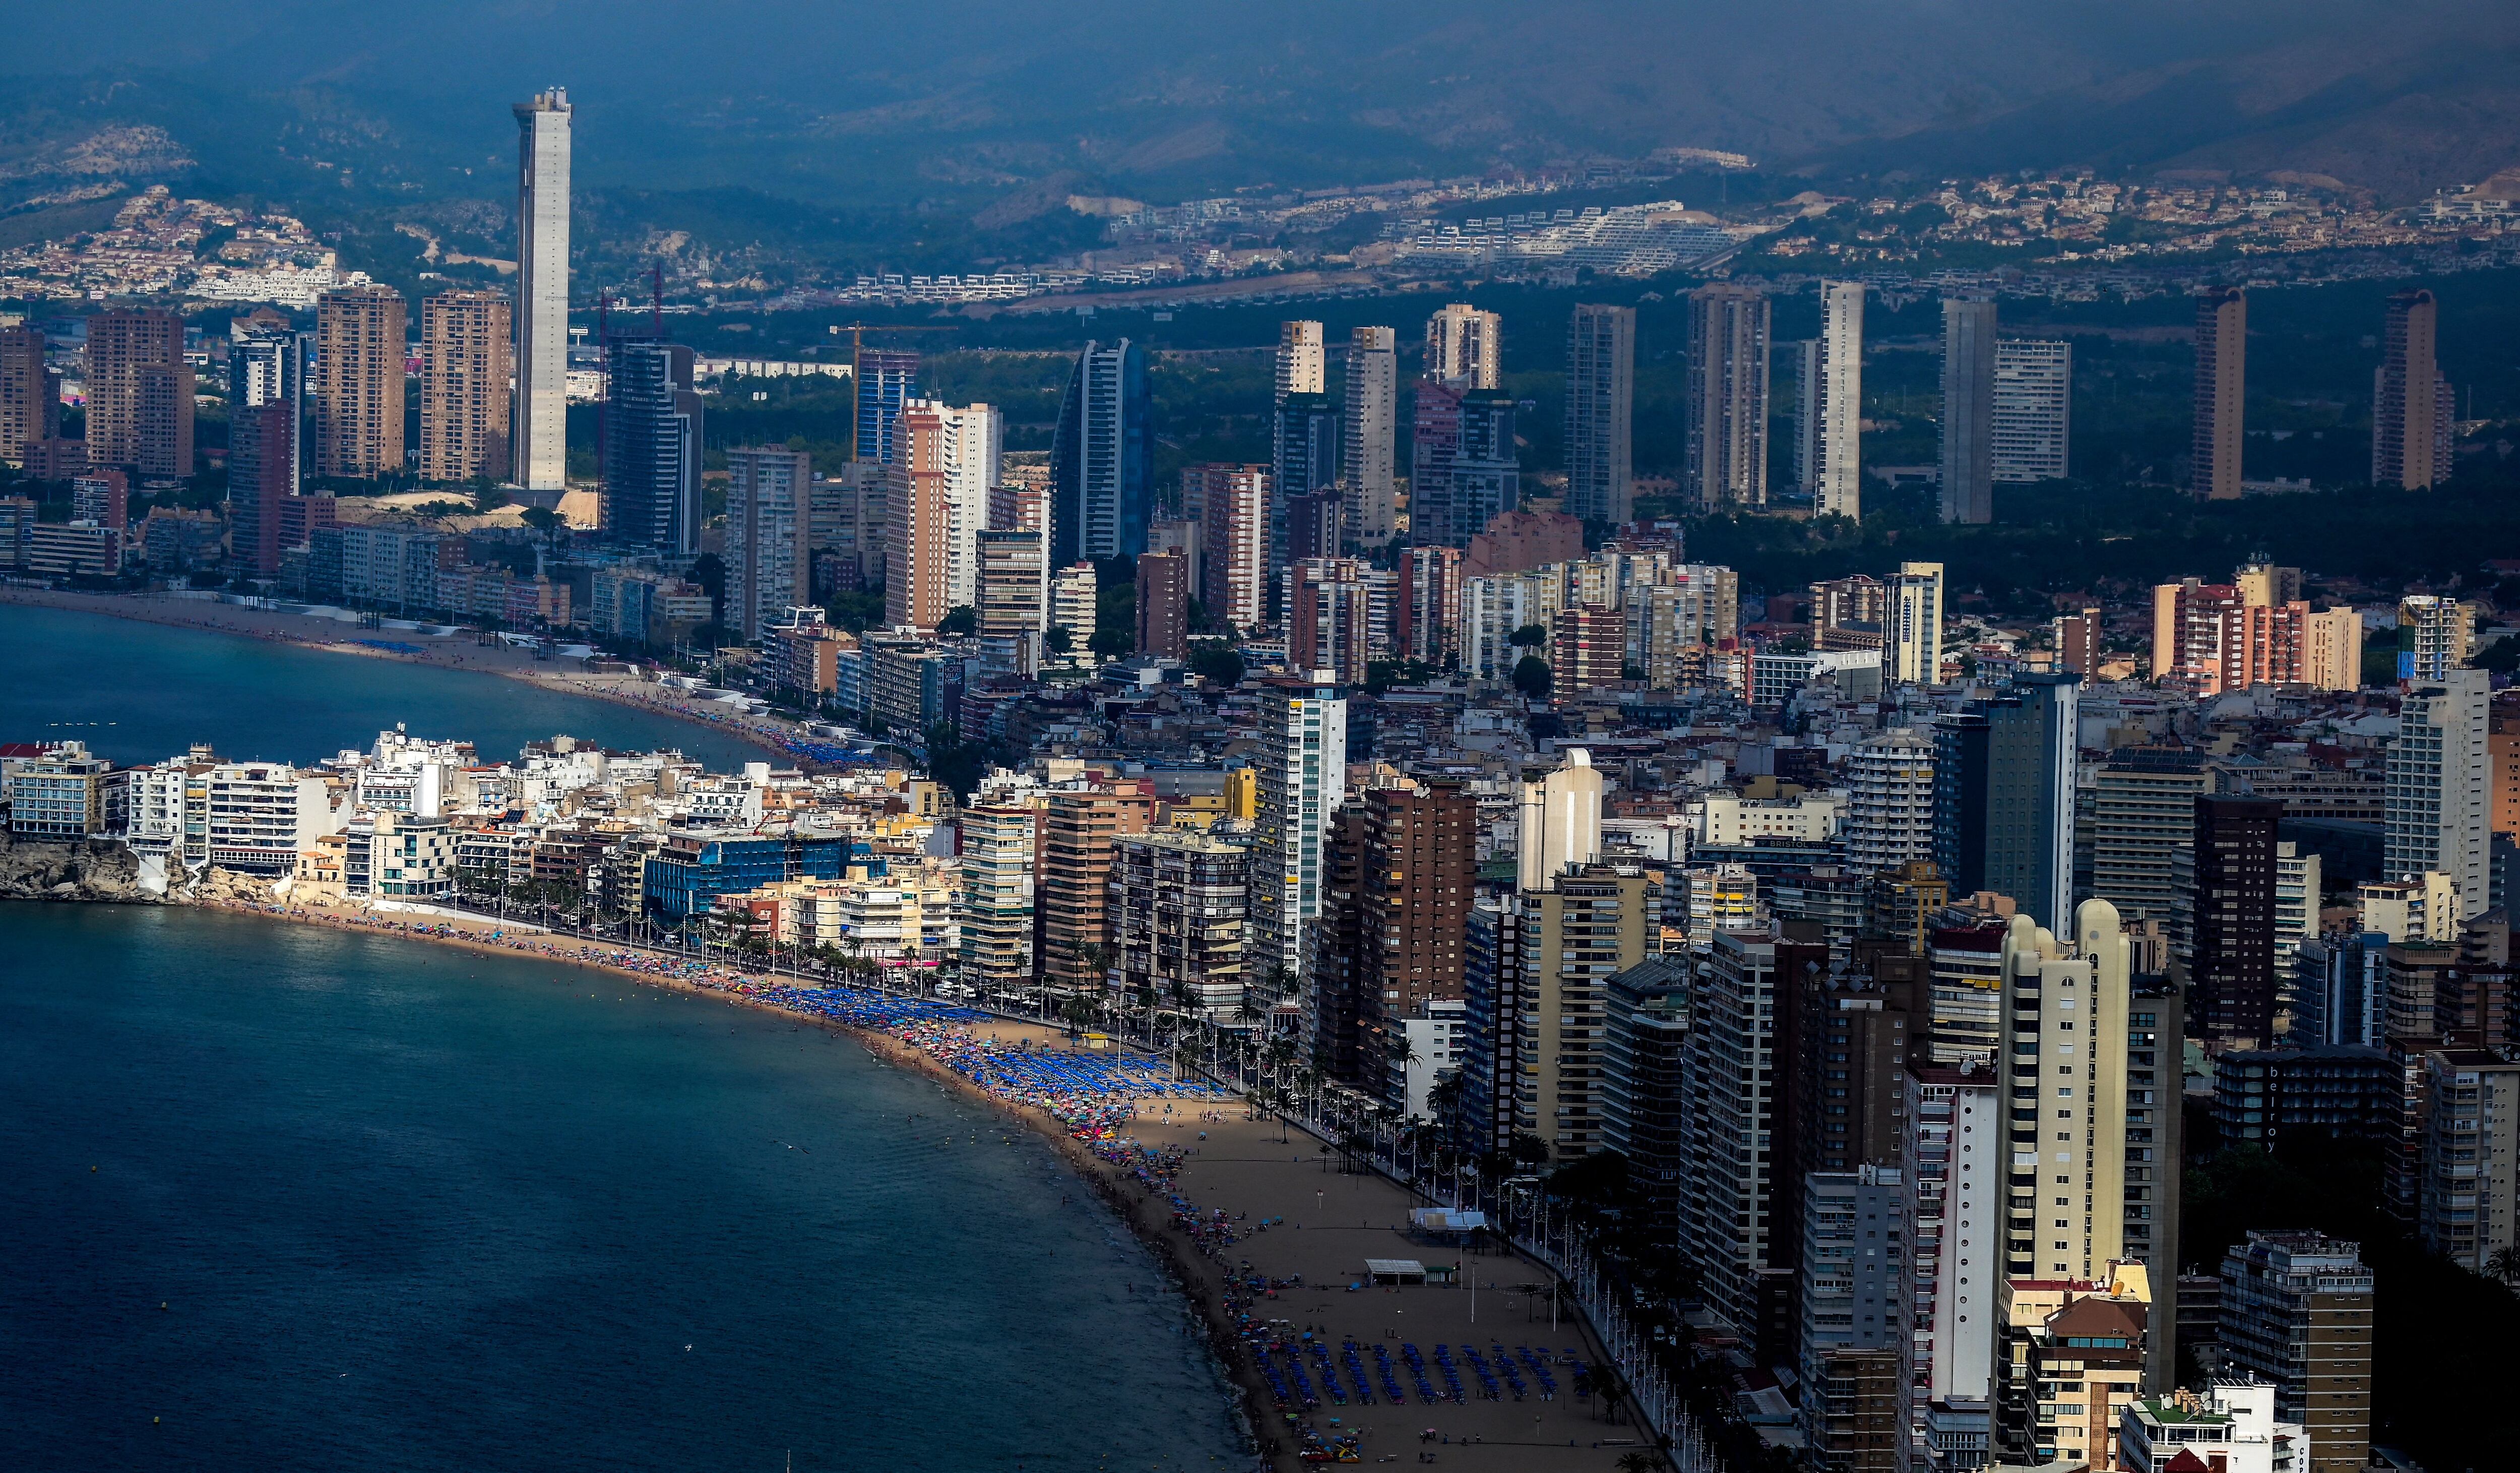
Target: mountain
<point x="927" y="117"/>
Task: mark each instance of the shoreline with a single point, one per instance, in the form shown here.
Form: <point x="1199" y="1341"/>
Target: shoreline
<point x="1249" y="1402"/>
<point x="1118" y="1152"/>
<point x="274" y="626"/>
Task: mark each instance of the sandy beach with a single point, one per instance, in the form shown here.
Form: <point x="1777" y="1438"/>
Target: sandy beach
<point x="312" y="632"/>
<point x="1292" y="1216"/>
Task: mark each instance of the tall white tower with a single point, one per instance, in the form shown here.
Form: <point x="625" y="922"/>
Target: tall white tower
<point x="541" y="459"/>
<point x="1838" y="483"/>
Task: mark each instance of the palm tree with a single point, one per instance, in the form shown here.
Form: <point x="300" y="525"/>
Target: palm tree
<point x="2503" y="1263"/>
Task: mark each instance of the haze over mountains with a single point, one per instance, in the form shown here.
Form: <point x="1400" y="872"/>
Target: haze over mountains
<point x="976" y="101"/>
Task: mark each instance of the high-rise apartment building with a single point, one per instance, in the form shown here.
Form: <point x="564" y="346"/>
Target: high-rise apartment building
<point x="1890" y="812"/>
<point x="2297" y="1311"/>
<point x="140" y="393"/>
<point x="2439" y="816"/>
<point x="1465" y="348"/>
<point x="262" y="457"/>
<point x="2077" y="639"/>
<point x="1426" y="616"/>
<point x="2410" y="400"/>
<point x="2232" y="920"/>
<point x="1073" y="595"/>
<point x="1953" y="1180"/>
<point x="1328" y="605"/>
<point x="1600" y="410"/>
<point x="1587" y="649"/>
<point x="30" y="396"/>
<point x="1232" y="505"/>
<point x="2063" y="1119"/>
<point x="359" y="382"/>
<point x="2468" y="1140"/>
<point x="995" y="913"/>
<point x="1302" y="365"/>
<point x="2226" y="636"/>
<point x="1803" y="361"/>
<point x="1163" y="604"/>
<point x="2137" y="833"/>
<point x="1303" y="780"/>
<point x="1728" y="336"/>
<point x="1916" y="632"/>
<point x="1370" y="439"/>
<point x="1080" y="833"/>
<point x="886" y="381"/>
<point x="1560" y="820"/>
<point x="2332" y="648"/>
<point x="918" y="581"/>
<point x="1013" y="608"/>
<point x="653" y="437"/>
<point x="1466" y="469"/>
<point x="769" y="563"/>
<point x="1177" y="920"/>
<point x="465" y="339"/>
<point x="2004" y="776"/>
<point x="1416" y="869"/>
<point x="1838" y="488"/>
<point x="1102" y="458"/>
<point x="1853" y="1263"/>
<point x="2222" y="386"/>
<point x="2436" y="635"/>
<point x="970" y="455"/>
<point x="1970" y="350"/>
<point x="1586" y="923"/>
<point x="2034" y="410"/>
<point x="1306" y="518"/>
<point x="1492" y="1008"/>
<point x="541" y="418"/>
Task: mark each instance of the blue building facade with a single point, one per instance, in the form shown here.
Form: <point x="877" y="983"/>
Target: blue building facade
<point x="687" y="878"/>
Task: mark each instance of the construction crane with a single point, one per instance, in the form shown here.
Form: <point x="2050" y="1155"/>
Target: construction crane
<point x="857" y="332"/>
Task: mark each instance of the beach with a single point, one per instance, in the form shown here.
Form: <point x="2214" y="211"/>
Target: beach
<point x="496" y="658"/>
<point x="1222" y="1201"/>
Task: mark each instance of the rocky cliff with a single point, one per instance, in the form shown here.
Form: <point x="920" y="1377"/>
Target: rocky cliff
<point x="90" y="869"/>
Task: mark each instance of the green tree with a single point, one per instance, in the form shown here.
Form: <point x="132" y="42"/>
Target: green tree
<point x="961" y="619"/>
<point x="1113" y="644"/>
<point x="1217" y="662"/>
<point x="1529" y="637"/>
<point x="1532" y="677"/>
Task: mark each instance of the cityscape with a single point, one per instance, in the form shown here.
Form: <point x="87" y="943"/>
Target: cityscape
<point x="1915" y="1017"/>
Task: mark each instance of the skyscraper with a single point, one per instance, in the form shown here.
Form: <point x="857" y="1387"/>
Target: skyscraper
<point x="1234" y="537"/>
<point x="1371" y="433"/>
<point x="1302" y="780"/>
<point x="1426" y="620"/>
<point x="30" y="398"/>
<point x="269" y="362"/>
<point x="2410" y="402"/>
<point x="887" y="379"/>
<point x="2297" y="1311"/>
<point x="651" y="448"/>
<point x="261" y="462"/>
<point x="2034" y="410"/>
<point x="1600" y="407"/>
<point x="1916" y="624"/>
<point x="1839" y="490"/>
<point x="915" y="578"/>
<point x="2440" y="784"/>
<point x="359" y="334"/>
<point x="2004" y="775"/>
<point x="1485" y="478"/>
<point x="768" y="521"/>
<point x="1329" y="616"/>
<point x="1969" y="353"/>
<point x="2068" y="1093"/>
<point x="1102" y="458"/>
<point x="1302" y="360"/>
<point x="1013" y="608"/>
<point x="1465" y="346"/>
<point x="1560" y="820"/>
<point x="1163" y="604"/>
<point x="1803" y="360"/>
<point x="2221" y="383"/>
<point x="541" y="457"/>
<point x="1304" y="513"/>
<point x="1414" y="890"/>
<point x="140" y="393"/>
<point x="1728" y="396"/>
<point x="1890" y="817"/>
<point x="972" y="444"/>
<point x="2232" y="920"/>
<point x="464" y="342"/>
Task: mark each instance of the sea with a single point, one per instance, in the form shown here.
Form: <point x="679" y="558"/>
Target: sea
<point x="142" y="692"/>
<point x="277" y="1197"/>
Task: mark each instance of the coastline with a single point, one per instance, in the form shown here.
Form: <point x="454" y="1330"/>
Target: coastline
<point x="1153" y="1172"/>
<point x="300" y="632"/>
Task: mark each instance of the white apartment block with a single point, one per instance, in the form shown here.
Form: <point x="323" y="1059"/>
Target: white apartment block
<point x="2034" y="416"/>
<point x="1890" y="800"/>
